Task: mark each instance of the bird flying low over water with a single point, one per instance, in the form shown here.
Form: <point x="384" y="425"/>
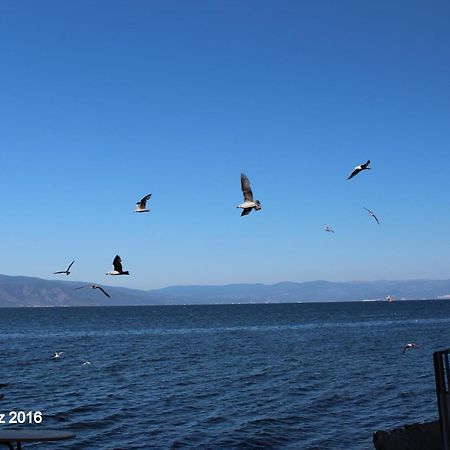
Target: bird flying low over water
<point x="57" y="354"/>
<point x="142" y="204"/>
<point x="328" y="229"/>
<point x="67" y="271"/>
<point x="409" y="347"/>
<point x="94" y="286"/>
<point x="360" y="168"/>
<point x="372" y="214"/>
<point x="86" y="363"/>
<point x="249" y="203"/>
<point x="117" y="263"/>
<point x="389" y="298"/>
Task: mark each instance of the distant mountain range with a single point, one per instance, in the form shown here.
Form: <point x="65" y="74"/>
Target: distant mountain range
<point x="28" y="291"/>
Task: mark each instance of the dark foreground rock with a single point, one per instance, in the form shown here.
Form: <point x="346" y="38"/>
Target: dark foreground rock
<point x="417" y="436"/>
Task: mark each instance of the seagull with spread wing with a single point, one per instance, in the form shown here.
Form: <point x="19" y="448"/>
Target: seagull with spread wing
<point x="372" y="214"/>
<point x="249" y="203"/>
<point x="94" y="286"/>
<point x="328" y="229"/>
<point x="409" y="347"/>
<point x="117" y="263"/>
<point x="141" y="205"/>
<point x="67" y="271"/>
<point x="360" y="168"/>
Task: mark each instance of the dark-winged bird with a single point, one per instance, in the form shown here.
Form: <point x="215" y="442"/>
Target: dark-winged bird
<point x="94" y="286"/>
<point x="360" y="168"/>
<point x="409" y="347"/>
<point x="328" y="229"/>
<point x="249" y="203"/>
<point x="67" y="271"/>
<point x="117" y="263"/>
<point x="142" y="204"/>
<point x="372" y="214"/>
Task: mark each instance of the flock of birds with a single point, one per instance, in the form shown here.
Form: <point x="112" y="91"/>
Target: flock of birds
<point x="247" y="206"/>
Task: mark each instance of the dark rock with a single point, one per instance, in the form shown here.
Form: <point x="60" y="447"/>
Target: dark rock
<point x="417" y="436"/>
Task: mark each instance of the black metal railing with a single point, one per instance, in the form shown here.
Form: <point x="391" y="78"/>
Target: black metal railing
<point x="442" y="375"/>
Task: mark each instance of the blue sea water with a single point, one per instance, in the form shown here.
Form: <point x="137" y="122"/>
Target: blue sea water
<point x="283" y="376"/>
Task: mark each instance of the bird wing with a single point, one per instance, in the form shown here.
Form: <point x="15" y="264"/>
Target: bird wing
<point x="144" y="201"/>
<point x="366" y="164"/>
<point x="61" y="271"/>
<point x="372" y="214"/>
<point x="98" y="287"/>
<point x="246" y="211"/>
<point x="81" y="287"/>
<point x="117" y="263"/>
<point x="355" y="172"/>
<point x="246" y="189"/>
<point x="70" y="265"/>
<point x="404" y="350"/>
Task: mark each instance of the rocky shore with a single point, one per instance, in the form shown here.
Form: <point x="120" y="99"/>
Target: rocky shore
<point x="417" y="436"/>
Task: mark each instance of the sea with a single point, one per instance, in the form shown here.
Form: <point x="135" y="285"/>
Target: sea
<point x="242" y="376"/>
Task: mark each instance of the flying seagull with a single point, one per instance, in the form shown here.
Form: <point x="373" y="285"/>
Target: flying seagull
<point x="372" y="214"/>
<point x="117" y="263"/>
<point x="328" y="229"/>
<point x="67" y="271"/>
<point x="409" y="347"/>
<point x="249" y="203"/>
<point x="57" y="354"/>
<point x="389" y="298"/>
<point x="141" y="204"/>
<point x="94" y="286"/>
<point x="86" y="363"/>
<point x="360" y="168"/>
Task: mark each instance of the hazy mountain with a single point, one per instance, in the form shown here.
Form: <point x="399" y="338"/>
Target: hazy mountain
<point x="28" y="291"/>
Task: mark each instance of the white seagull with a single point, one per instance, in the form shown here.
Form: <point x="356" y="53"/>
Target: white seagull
<point x="372" y="214"/>
<point x="249" y="203"/>
<point x="409" y="347"/>
<point x="360" y="168"/>
<point x="86" y="363"/>
<point x="94" y="286"/>
<point x="328" y="229"/>
<point x="141" y="205"/>
<point x="117" y="263"/>
<point x="67" y="271"/>
<point x="57" y="354"/>
<point x="389" y="299"/>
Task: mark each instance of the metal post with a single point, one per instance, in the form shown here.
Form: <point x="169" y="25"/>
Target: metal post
<point x="442" y="376"/>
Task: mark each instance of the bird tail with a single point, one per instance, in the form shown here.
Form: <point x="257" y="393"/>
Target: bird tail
<point x="126" y="273"/>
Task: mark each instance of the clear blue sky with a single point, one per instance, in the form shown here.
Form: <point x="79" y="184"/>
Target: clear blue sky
<point x="102" y="102"/>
